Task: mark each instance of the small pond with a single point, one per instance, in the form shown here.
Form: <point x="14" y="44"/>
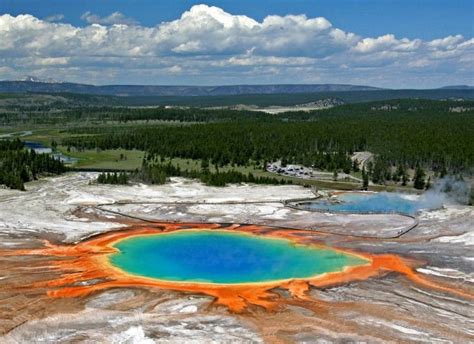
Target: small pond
<point x="42" y="149"/>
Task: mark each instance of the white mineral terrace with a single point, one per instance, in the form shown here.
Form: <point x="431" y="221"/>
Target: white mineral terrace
<point x="70" y="208"/>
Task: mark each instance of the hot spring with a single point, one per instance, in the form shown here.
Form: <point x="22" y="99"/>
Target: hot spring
<point x="223" y="257"/>
<point x="359" y="203"/>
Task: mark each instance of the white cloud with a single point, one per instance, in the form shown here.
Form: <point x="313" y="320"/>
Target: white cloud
<point x="52" y="61"/>
<point x="387" y="42"/>
<point x="207" y="45"/>
<point x="114" y="18"/>
<point x="447" y="43"/>
<point x="175" y="69"/>
<point x="54" y="17"/>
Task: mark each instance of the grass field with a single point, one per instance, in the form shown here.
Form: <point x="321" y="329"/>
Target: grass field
<point x="119" y="159"/>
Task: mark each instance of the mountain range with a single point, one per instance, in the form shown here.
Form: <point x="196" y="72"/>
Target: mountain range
<point x="185" y="94"/>
<point x="34" y="85"/>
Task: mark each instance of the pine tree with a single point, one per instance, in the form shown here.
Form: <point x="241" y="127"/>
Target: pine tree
<point x="355" y="165"/>
<point x="428" y="183"/>
<point x="204" y="165"/>
<point x="404" y="179"/>
<point x="419" y="178"/>
<point x="365" y="179"/>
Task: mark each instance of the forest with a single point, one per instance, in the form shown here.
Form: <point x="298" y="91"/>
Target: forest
<point x="403" y="134"/>
<point x="49" y="110"/>
<point x="19" y="165"/>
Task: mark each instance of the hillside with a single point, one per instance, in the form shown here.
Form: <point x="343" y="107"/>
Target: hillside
<point x="163" y="90"/>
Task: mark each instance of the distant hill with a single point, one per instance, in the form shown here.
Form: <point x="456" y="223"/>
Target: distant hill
<point x="263" y="100"/>
<point x="457" y="87"/>
<point x="228" y="96"/>
<point x="34" y="86"/>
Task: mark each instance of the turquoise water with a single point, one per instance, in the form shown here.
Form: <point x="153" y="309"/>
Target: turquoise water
<point x="224" y="257"/>
<point x="366" y="203"/>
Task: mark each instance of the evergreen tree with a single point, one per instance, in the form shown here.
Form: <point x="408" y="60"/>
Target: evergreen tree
<point x="365" y="179"/>
<point x="419" y="178"/>
<point x="204" y="164"/>
<point x="404" y="179"/>
<point x="355" y="165"/>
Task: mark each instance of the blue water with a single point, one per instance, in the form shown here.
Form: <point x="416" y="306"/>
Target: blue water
<point x="38" y="147"/>
<point x="366" y="203"/>
<point x="224" y="257"/>
<point x="42" y="149"/>
<point x="34" y="145"/>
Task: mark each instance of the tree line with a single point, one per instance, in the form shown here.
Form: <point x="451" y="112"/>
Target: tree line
<point x="113" y="178"/>
<point x="19" y="165"/>
<point x="89" y="110"/>
<point x="157" y="173"/>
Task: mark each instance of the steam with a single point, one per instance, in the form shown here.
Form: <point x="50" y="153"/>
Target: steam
<point x="445" y="191"/>
<point x="448" y="190"/>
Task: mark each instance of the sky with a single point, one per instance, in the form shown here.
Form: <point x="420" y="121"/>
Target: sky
<point x="384" y="43"/>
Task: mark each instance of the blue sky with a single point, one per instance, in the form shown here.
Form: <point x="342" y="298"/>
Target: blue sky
<point x="388" y="43"/>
